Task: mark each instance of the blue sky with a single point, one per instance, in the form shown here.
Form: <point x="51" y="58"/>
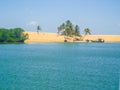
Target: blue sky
<point x="101" y="16"/>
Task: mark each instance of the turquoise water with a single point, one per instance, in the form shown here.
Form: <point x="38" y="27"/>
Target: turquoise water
<point x="60" y="66"/>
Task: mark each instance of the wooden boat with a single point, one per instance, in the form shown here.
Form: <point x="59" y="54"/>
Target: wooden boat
<point x="99" y="40"/>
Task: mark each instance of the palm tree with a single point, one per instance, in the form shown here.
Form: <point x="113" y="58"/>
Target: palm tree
<point x="68" y="23"/>
<point x="61" y="27"/>
<point x="87" y="31"/>
<point x="77" y="32"/>
<point x="38" y="28"/>
<point x="69" y="29"/>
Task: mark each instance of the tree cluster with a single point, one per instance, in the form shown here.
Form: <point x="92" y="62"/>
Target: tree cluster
<point x="12" y="35"/>
<point x="69" y="29"/>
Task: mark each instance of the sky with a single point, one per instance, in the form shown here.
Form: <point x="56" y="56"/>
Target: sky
<point x="100" y="16"/>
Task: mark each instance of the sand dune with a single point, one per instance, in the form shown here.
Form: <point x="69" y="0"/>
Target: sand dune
<point x="54" y="37"/>
<point x="44" y="37"/>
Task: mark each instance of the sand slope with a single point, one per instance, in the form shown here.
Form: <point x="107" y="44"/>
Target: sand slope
<point x="44" y="37"/>
<point x="54" y="37"/>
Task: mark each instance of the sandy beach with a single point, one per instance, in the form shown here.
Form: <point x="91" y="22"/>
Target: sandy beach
<point x="54" y="37"/>
<point x="44" y="37"/>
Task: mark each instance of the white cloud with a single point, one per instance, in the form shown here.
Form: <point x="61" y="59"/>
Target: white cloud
<point x="32" y="23"/>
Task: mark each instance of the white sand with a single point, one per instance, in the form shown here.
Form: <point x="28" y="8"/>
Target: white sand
<point x="54" y="37"/>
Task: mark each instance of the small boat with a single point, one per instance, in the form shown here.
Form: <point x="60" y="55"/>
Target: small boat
<point x="99" y="40"/>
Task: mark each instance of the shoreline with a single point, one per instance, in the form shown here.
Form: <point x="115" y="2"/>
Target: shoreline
<point x="35" y="37"/>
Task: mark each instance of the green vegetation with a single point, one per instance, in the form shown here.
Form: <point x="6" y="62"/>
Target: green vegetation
<point x="12" y="35"/>
<point x="68" y="29"/>
<point x="38" y="29"/>
<point x="87" y="31"/>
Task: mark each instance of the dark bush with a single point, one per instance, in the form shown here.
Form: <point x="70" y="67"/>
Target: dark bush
<point x="12" y="35"/>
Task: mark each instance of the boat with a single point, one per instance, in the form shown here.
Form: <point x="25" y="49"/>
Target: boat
<point x="99" y="40"/>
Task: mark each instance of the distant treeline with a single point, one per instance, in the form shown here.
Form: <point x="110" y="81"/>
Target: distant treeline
<point x="12" y="35"/>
